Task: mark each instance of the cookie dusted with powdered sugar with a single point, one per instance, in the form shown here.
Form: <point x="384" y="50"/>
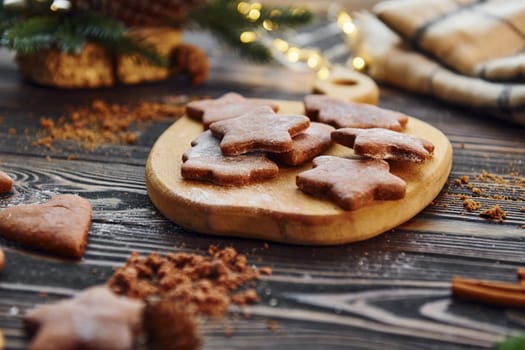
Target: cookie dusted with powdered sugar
<point x="342" y="114"/>
<point x="384" y="144"/>
<point x="205" y="162"/>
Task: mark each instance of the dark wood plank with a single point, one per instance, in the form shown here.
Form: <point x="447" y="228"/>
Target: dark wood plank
<point x="388" y="292"/>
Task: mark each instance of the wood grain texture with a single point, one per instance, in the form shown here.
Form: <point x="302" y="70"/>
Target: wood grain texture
<point x="389" y="292"/>
<point x="276" y="210"/>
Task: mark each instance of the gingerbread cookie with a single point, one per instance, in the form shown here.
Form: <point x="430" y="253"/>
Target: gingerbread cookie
<point x="6" y="183"/>
<point x="95" y="319"/>
<point x="306" y="145"/>
<point x="205" y="162"/>
<point x="258" y="130"/>
<point x="351" y="183"/>
<point x="228" y="106"/>
<point x="59" y="226"/>
<point x="384" y="144"/>
<point x="343" y="114"/>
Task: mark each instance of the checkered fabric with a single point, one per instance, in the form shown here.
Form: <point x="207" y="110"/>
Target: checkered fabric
<point x="469" y="52"/>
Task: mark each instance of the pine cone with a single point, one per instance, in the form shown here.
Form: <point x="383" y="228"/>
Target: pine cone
<point x="140" y="12"/>
<point x="187" y="58"/>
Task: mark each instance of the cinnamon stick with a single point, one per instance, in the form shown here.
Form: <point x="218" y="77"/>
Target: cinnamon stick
<point x="490" y="292"/>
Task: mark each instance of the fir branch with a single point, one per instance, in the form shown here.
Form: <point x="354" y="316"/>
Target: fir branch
<point x="140" y="50"/>
<point x="98" y="27"/>
<point x="70" y="32"/>
<point x="223" y="20"/>
<point x="30" y="35"/>
<point x="513" y="343"/>
<point x="290" y="17"/>
<point x="68" y="39"/>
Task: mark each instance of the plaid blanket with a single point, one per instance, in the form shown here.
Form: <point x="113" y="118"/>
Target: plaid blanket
<point x="469" y="52"/>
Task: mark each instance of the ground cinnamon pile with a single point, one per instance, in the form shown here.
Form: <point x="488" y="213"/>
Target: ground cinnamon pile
<point x="471" y="205"/>
<point x="207" y="285"/>
<point x="494" y="213"/>
<point x="103" y="123"/>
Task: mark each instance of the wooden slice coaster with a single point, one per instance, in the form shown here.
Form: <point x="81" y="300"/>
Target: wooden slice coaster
<point x="276" y="210"/>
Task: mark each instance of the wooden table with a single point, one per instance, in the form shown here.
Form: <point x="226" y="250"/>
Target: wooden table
<point x="389" y="292"/>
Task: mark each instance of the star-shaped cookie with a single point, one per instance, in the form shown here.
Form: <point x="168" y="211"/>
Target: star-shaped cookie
<point x="258" y="130"/>
<point x="96" y="319"/>
<point x="227" y="106"/>
<point x="205" y="162"/>
<point x="384" y="144"/>
<point x="351" y="183"/>
<point x="6" y="183"/>
<point x="59" y="226"/>
<point x="306" y="145"/>
<point x="341" y="114"/>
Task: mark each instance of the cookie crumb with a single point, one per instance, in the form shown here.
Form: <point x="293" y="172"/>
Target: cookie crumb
<point x="102" y="123"/>
<point x="206" y="284"/>
<point x="464" y="179"/>
<point x="522" y="209"/>
<point x="267" y="271"/>
<point x="471" y="205"/>
<point x="494" y="213"/>
<point x="228" y="330"/>
<point x="272" y="325"/>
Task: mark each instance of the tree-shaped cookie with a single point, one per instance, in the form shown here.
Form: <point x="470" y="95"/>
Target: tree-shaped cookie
<point x="306" y="145"/>
<point x="343" y="114"/>
<point x="384" y="144"/>
<point x="351" y="183"/>
<point x="258" y="130"/>
<point x="228" y="106"/>
<point x="205" y="162"/>
<point x="95" y="319"/>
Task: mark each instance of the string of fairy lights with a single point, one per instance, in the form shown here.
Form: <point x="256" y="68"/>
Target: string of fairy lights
<point x="295" y="56"/>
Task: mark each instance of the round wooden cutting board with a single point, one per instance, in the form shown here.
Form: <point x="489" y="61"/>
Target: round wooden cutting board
<point x="276" y="210"/>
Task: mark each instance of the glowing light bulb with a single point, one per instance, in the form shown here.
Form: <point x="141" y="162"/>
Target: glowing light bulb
<point x="349" y="28"/>
<point x="313" y="60"/>
<point x="60" y="5"/>
<point x="248" y="37"/>
<point x="293" y="54"/>
<point x="275" y="13"/>
<point x="253" y="15"/>
<point x="243" y="7"/>
<point x="343" y="18"/>
<point x="358" y="63"/>
<point x="281" y="45"/>
<point x="323" y="73"/>
<point x="268" y="25"/>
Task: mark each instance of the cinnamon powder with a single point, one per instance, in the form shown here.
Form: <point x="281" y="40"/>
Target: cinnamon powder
<point x="471" y="205"/>
<point x="494" y="213"/>
<point x="103" y="123"/>
<point x="207" y="285"/>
